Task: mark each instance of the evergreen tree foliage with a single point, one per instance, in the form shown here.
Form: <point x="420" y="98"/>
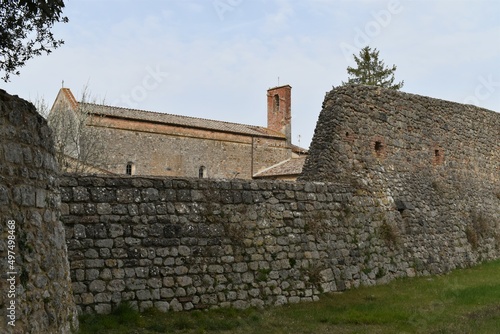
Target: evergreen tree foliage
<point x="26" y="31"/>
<point x="372" y="71"/>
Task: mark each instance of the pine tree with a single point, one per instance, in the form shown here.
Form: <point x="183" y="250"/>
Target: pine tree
<point x="372" y="71"/>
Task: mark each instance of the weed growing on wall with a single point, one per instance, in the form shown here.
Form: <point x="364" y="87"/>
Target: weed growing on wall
<point x="263" y="275"/>
<point x="481" y="223"/>
<point x="472" y="237"/>
<point x="390" y="234"/>
<point x="313" y="274"/>
<point x="317" y="224"/>
<point x="235" y="232"/>
<point x="480" y="227"/>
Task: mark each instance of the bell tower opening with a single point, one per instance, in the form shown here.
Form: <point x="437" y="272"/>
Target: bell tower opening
<point x="276" y="103"/>
<point x="279" y="110"/>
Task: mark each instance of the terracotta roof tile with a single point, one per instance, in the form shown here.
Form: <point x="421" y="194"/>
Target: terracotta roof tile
<point x="70" y="97"/>
<point x="185" y="121"/>
<point x="291" y="166"/>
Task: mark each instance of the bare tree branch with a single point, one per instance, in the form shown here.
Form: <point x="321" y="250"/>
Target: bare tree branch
<point x="78" y="142"/>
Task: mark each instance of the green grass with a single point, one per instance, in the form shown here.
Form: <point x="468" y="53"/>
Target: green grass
<point x="464" y="301"/>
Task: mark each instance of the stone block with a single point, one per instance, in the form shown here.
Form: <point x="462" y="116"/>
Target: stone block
<point x="240" y="267"/>
<point x="106" y="274"/>
<point x="87" y="298"/>
<point x="115" y="230"/>
<point x="162" y="306"/>
<point x="95" y="263"/>
<point x="104" y="243"/>
<point x="97" y="286"/>
<point x="184" y="281"/>
<point x="104" y="208"/>
<point x="24" y="195"/>
<point x="128" y="195"/>
<point x="143" y="295"/>
<point x="40" y="198"/>
<point x="79" y="287"/>
<point x="102" y="308"/>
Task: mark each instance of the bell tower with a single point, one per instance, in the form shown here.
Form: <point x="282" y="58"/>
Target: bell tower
<point x="279" y="110"/>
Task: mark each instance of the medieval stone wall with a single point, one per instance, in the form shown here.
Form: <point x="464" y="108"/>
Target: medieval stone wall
<point x="365" y="128"/>
<point x="35" y="286"/>
<point x="395" y="185"/>
<point x="182" y="244"/>
<point x="426" y="155"/>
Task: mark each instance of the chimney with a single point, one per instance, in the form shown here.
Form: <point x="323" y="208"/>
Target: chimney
<point x="279" y="111"/>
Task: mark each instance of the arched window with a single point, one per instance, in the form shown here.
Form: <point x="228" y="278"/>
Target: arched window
<point x="276" y="103"/>
<point x="130" y="168"/>
<point x="202" y="172"/>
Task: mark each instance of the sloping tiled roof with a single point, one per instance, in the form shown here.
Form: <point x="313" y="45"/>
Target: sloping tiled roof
<point x="288" y="167"/>
<point x="299" y="150"/>
<point x="69" y="97"/>
<point x="185" y="121"/>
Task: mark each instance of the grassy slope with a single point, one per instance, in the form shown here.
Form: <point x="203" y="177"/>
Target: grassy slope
<point x="464" y="301"/>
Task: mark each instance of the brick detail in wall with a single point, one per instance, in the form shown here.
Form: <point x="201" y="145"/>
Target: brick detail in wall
<point x="396" y="185"/>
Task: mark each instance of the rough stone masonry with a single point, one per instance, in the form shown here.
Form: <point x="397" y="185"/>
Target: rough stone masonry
<point x="35" y="286"/>
<point x="396" y="185"/>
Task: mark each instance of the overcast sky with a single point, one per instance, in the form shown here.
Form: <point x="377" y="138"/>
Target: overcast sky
<point x="216" y="58"/>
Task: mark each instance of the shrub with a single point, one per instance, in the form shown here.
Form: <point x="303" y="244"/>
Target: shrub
<point x="390" y="234"/>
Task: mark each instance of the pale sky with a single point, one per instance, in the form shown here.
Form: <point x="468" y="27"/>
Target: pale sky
<point x="215" y="59"/>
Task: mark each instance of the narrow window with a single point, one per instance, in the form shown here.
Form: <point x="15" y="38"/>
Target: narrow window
<point x="129" y="170"/>
<point x="202" y="172"/>
<point x="276" y="103"/>
<point x="378" y="146"/>
<point x="437" y="154"/>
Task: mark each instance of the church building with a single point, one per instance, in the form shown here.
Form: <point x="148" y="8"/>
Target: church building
<point x="138" y="142"/>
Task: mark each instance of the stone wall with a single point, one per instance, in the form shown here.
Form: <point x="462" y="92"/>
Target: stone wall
<point x="395" y="185"/>
<point x="366" y="128"/>
<point x="182" y="244"/>
<point x="437" y="162"/>
<point x="35" y="282"/>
